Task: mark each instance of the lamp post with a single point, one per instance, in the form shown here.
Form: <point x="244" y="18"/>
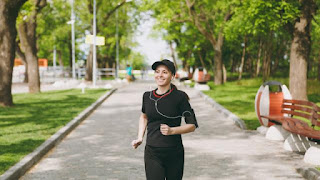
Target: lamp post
<point x="94" y="73"/>
<point x="117" y="47"/>
<point x="54" y="62"/>
<point x="73" y="41"/>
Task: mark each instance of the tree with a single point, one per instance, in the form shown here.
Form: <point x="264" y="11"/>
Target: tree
<point x="24" y="61"/>
<point x="207" y="17"/>
<point x="105" y="14"/>
<point x="266" y="23"/>
<point x="300" y="50"/>
<point x="205" y="20"/>
<point x="8" y="15"/>
<point x="191" y="46"/>
<point x="27" y="35"/>
<point x="53" y="30"/>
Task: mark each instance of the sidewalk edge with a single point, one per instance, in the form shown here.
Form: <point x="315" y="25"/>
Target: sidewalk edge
<point x="20" y="168"/>
<point x="309" y="173"/>
<point x="237" y="121"/>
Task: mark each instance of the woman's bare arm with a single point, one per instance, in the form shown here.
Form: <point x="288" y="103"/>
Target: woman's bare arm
<point x="142" y="129"/>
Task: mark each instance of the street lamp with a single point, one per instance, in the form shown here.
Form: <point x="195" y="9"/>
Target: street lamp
<point x="72" y="21"/>
<point x="94" y="73"/>
<point x="117" y="46"/>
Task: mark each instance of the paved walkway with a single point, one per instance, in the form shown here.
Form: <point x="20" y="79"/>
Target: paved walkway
<point x="99" y="148"/>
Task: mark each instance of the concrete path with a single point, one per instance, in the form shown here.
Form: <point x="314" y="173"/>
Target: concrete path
<point x="100" y="147"/>
<point x="66" y="84"/>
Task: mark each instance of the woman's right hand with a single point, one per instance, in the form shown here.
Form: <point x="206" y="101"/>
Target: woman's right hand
<point x="136" y="143"/>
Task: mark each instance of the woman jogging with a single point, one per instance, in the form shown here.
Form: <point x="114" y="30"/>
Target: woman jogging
<point x="162" y="110"/>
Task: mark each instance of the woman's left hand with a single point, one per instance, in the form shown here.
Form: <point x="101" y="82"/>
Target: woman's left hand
<point x="165" y="129"/>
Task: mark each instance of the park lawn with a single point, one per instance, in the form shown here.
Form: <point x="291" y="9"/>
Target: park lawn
<point x="239" y="97"/>
<point x="35" y="117"/>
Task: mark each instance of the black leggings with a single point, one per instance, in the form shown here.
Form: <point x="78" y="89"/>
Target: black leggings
<point x="164" y="162"/>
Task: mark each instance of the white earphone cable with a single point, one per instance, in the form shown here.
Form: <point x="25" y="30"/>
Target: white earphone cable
<point x="156" y="107"/>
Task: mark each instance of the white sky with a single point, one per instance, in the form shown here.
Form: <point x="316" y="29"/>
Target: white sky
<point x="154" y="49"/>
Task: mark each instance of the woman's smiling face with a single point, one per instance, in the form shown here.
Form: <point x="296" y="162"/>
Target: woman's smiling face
<point x="162" y="75"/>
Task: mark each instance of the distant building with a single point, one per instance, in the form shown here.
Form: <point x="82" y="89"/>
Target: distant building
<point x="41" y="62"/>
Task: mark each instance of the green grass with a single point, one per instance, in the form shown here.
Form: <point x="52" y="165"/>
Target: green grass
<point x="239" y="96"/>
<point x="108" y="78"/>
<point x="35" y="117"/>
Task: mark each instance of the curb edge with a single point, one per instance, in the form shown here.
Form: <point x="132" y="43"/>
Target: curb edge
<point x="309" y="173"/>
<point x="237" y="121"/>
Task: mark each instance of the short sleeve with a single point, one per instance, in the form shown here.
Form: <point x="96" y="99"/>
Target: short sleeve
<point x="143" y="103"/>
<point x="186" y="111"/>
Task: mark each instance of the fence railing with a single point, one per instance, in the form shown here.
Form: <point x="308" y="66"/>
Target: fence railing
<point x="49" y="74"/>
<point x="81" y="72"/>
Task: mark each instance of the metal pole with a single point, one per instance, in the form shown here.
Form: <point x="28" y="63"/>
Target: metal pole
<point x="54" y="62"/>
<point x="73" y="41"/>
<point x="94" y="73"/>
<point x="117" y="47"/>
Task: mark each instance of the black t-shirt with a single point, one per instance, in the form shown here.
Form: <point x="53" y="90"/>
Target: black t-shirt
<point x="166" y="109"/>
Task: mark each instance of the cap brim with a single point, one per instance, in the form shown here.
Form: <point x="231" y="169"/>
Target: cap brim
<point x="156" y="64"/>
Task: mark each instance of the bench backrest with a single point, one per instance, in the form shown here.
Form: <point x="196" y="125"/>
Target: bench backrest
<point x="301" y="108"/>
<point x="316" y="115"/>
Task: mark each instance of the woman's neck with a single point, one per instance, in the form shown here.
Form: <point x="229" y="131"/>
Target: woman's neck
<point x="163" y="89"/>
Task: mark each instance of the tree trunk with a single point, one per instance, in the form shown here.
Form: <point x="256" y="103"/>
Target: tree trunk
<point x="209" y="34"/>
<point x="242" y="58"/>
<point x="233" y="64"/>
<point x="8" y="15"/>
<point x="258" y="60"/>
<point x="60" y="59"/>
<point x="218" y="74"/>
<point x="172" y="54"/>
<point x="300" y="49"/>
<point x="24" y="61"/>
<point x="267" y="58"/>
<point x="201" y="59"/>
<point x="319" y="67"/>
<point x="88" y="76"/>
<point x="250" y="65"/>
<point x="224" y="73"/>
<point x="278" y="56"/>
<point x="27" y="31"/>
<point x="27" y="35"/>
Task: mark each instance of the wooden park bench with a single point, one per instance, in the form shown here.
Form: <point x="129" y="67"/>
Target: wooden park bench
<point x="299" y="115"/>
<point x="310" y="112"/>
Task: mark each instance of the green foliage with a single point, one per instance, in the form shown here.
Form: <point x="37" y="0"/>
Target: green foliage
<point x="53" y="30"/>
<point x="176" y="26"/>
<point x="25" y="11"/>
<point x="127" y="23"/>
<point x="314" y="55"/>
<point x="137" y="60"/>
<point x="35" y="117"/>
<point x="258" y="17"/>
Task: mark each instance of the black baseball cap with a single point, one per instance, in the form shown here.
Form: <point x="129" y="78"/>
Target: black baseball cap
<point x="165" y="62"/>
